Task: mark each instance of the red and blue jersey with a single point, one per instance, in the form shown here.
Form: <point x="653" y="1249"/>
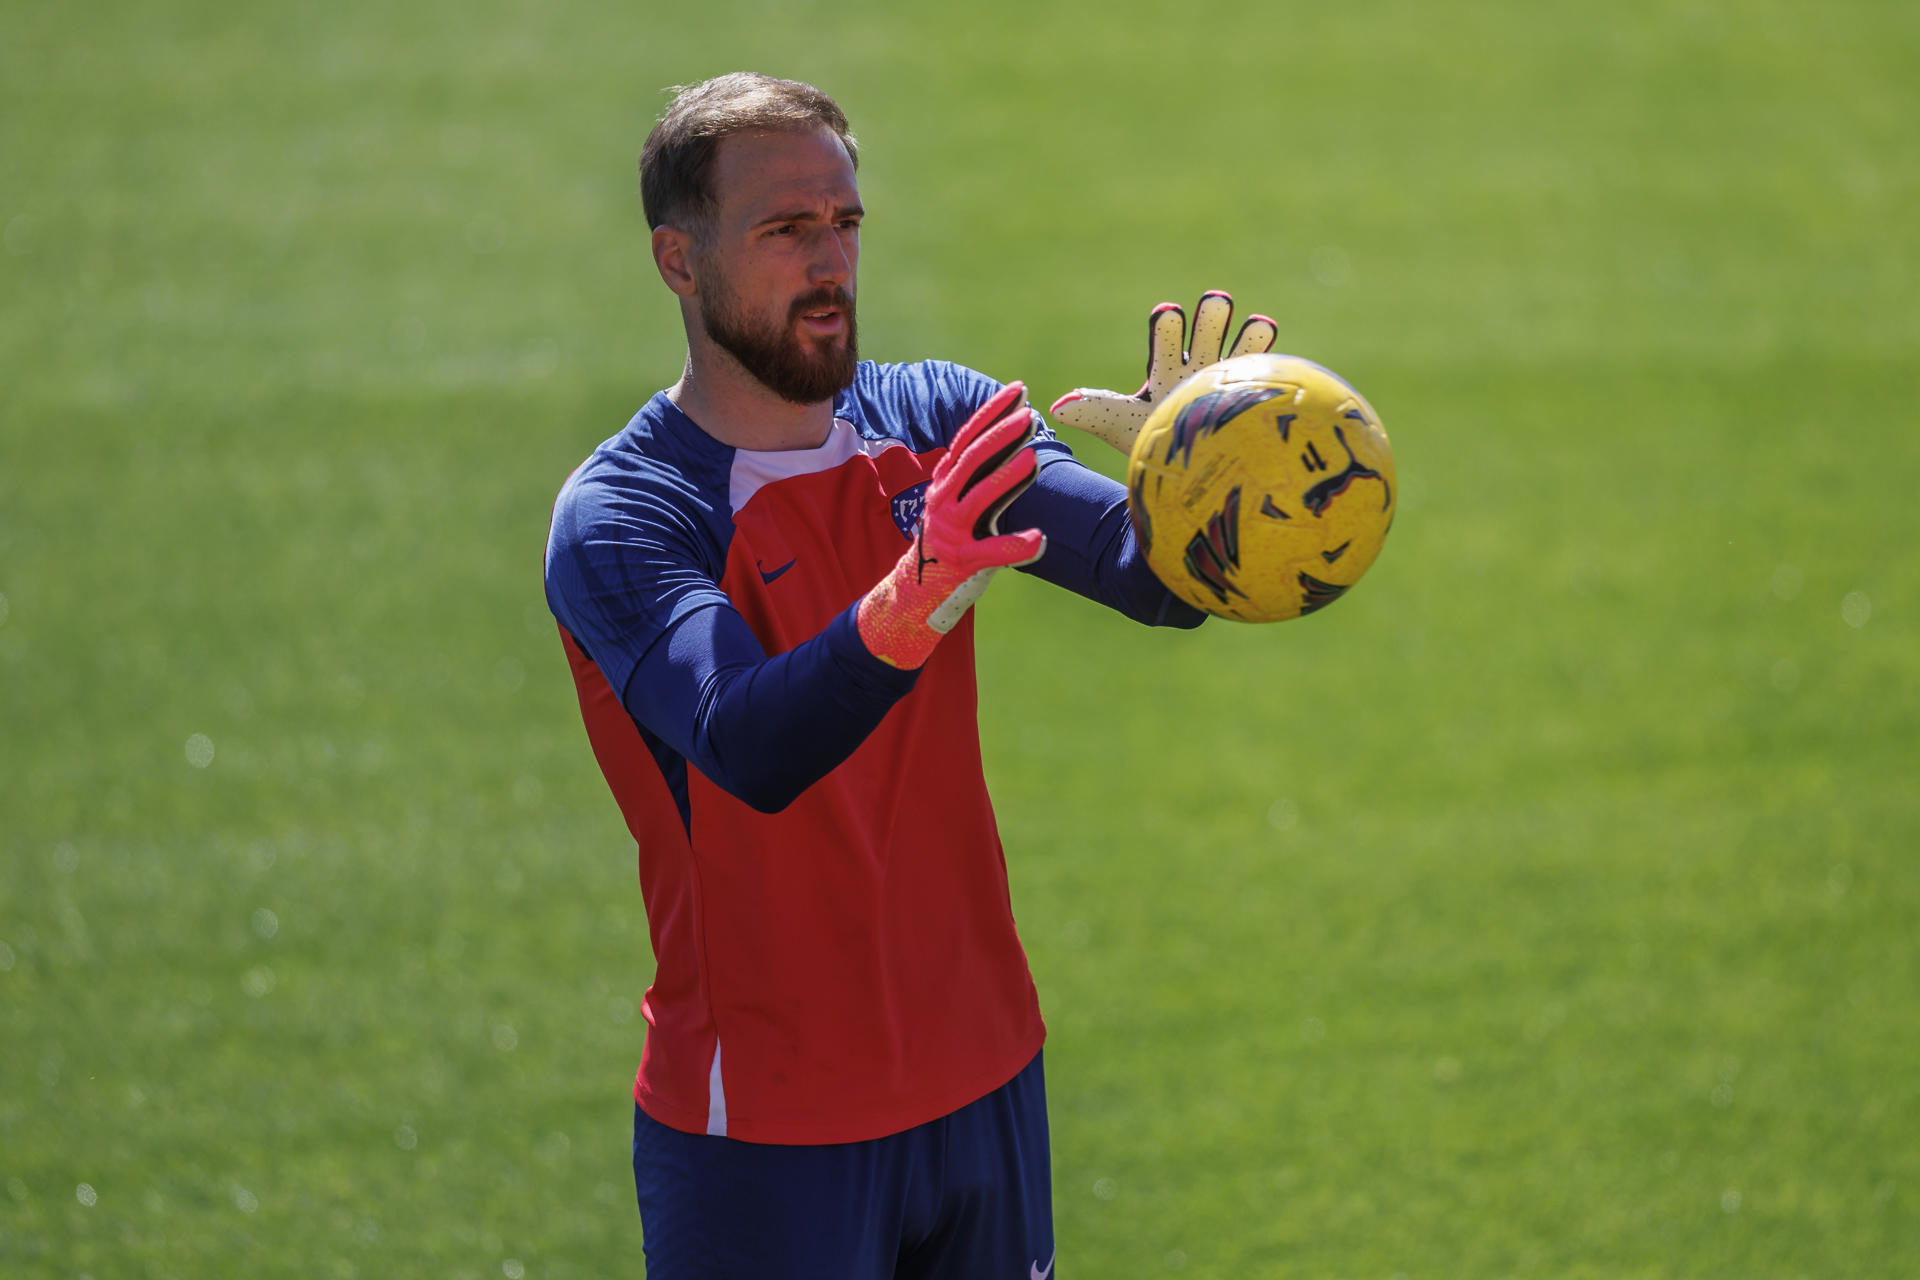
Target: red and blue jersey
<point x="825" y="887"/>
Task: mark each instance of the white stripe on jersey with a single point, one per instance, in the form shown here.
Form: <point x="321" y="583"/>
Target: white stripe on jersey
<point x="716" y="1097"/>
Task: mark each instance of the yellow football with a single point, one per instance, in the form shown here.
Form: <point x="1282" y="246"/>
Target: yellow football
<point x="1261" y="488"/>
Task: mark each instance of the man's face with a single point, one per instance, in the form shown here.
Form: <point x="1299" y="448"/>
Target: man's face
<point x="776" y="276"/>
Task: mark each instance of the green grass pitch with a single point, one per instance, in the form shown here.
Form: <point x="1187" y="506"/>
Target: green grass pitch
<point x="1545" y="909"/>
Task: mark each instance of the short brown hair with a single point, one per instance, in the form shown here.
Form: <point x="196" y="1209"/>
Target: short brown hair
<point x="676" y="164"/>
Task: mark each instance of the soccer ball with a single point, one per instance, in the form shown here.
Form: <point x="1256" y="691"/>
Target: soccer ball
<point x="1261" y="488"/>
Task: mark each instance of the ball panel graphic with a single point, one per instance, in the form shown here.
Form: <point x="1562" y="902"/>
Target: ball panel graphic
<point x="1262" y="488"/>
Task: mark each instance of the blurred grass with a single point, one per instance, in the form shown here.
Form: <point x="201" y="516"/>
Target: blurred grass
<point x="1540" y="911"/>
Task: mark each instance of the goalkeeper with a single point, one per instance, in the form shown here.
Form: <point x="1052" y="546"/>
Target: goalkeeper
<point x="763" y="586"/>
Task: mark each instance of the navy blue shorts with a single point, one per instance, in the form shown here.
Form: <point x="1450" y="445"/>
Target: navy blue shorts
<point x="964" y="1197"/>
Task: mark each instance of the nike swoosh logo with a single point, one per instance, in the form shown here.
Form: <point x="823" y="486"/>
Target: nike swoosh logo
<point x="767" y="577"/>
<point x="1035" y="1273"/>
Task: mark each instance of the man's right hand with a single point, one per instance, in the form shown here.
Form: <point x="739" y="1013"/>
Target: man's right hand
<point x="958" y="544"/>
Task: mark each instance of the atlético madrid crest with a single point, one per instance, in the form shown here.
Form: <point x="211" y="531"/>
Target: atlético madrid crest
<point x="907" y="506"/>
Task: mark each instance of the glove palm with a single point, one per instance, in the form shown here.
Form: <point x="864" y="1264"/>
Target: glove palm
<point x="1117" y="418"/>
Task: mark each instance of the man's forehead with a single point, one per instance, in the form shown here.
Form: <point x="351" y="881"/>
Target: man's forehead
<point x="754" y="172"/>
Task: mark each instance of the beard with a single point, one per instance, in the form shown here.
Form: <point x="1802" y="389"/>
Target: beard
<point x="789" y="363"/>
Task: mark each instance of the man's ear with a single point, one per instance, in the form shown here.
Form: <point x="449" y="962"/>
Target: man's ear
<point x="673" y="256"/>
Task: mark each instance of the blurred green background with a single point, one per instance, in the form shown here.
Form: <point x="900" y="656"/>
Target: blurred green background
<point x="1545" y="909"/>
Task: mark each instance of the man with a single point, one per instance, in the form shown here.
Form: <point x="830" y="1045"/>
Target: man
<point x="763" y="586"/>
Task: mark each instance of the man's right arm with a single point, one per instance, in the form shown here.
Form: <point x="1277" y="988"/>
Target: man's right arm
<point x="633" y="584"/>
<point x="762" y="729"/>
<point x="634" y="580"/>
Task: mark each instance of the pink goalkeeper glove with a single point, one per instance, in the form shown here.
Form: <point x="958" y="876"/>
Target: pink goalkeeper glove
<point x="958" y="544"/>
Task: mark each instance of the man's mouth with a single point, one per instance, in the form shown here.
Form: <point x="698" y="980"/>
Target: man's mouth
<point x="824" y="321"/>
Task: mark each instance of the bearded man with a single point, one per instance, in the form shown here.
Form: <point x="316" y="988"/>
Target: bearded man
<point x="763" y="585"/>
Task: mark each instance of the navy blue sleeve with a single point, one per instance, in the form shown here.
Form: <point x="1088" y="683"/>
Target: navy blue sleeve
<point x="628" y="558"/>
<point x="632" y="574"/>
<point x="962" y="390"/>
<point x="763" y="729"/>
<point x="929" y="401"/>
<point x="1091" y="548"/>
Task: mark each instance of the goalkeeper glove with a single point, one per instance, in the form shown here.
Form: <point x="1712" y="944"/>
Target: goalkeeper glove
<point x="1117" y="418"/>
<point x="958" y="543"/>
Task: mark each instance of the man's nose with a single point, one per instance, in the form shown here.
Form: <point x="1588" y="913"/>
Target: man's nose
<point x="832" y="259"/>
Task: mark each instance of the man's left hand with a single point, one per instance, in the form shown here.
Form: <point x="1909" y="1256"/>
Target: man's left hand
<point x="1117" y="418"/>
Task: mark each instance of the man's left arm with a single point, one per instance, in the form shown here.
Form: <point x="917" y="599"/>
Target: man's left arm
<point x="1091" y="547"/>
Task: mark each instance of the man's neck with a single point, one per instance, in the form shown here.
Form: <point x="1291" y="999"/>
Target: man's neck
<point x="735" y="408"/>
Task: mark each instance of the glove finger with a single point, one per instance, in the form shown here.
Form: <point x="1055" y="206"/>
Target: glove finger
<point x="1210" y="319"/>
<point x="991" y="450"/>
<point x="1112" y="417"/>
<point x="1166" y="359"/>
<point x="991" y="486"/>
<point x="1011" y="549"/>
<point x="988" y="524"/>
<point x="1255" y="336"/>
<point x="986" y="416"/>
<point x="1039" y="550"/>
